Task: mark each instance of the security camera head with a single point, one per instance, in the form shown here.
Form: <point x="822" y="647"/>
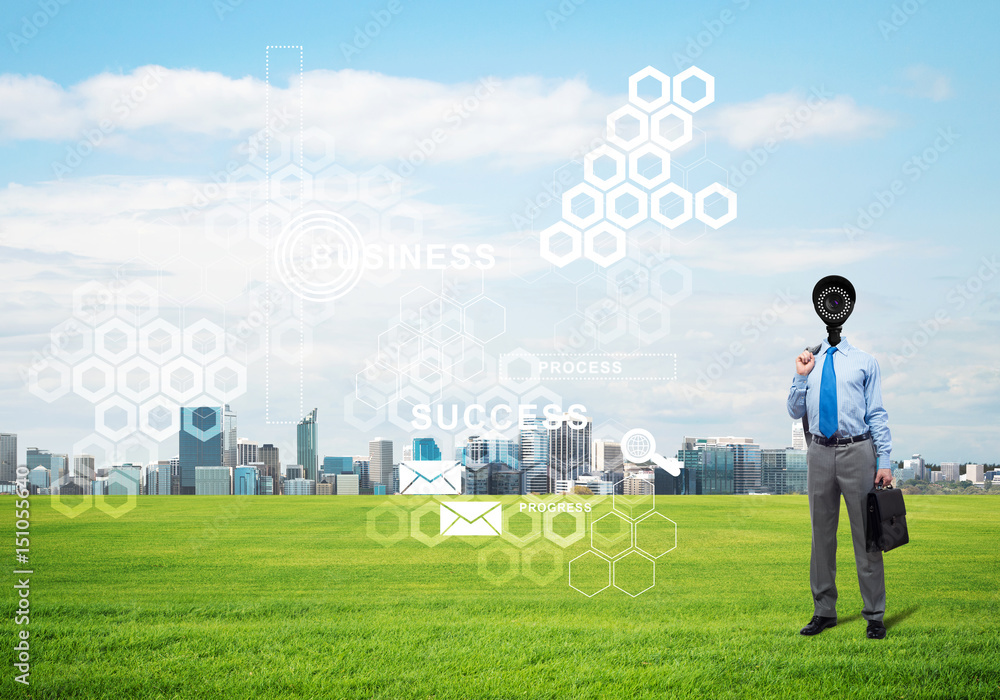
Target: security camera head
<point x="834" y="298"/>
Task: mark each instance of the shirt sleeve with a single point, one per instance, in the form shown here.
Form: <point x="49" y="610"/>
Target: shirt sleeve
<point x="876" y="416"/>
<point x="797" y="397"/>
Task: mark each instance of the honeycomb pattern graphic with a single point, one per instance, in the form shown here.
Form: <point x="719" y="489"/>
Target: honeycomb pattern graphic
<point x="625" y="546"/>
<point x="135" y="368"/>
<point x="627" y="179"/>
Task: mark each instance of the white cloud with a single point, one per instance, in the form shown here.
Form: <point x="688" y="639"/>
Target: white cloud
<point x="927" y="83"/>
<point x="796" y="116"/>
<point x="372" y="117"/>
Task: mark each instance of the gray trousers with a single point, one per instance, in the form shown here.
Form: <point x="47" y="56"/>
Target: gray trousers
<point x="832" y="471"/>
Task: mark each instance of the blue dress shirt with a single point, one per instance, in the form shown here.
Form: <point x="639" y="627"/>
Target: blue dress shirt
<point x="859" y="397"/>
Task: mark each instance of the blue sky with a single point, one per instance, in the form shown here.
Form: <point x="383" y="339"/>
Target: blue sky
<point x="897" y="79"/>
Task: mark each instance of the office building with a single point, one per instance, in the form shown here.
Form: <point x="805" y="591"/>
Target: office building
<point x="245" y="481"/>
<point x="213" y="481"/>
<point x="84" y="466"/>
<point x="247" y="452"/>
<point x="265" y="482"/>
<point x="270" y="468"/>
<point x="425" y="449"/>
<point x="43" y="458"/>
<point x="338" y="465"/>
<point x="294" y="471"/>
<point x="408" y="453"/>
<point x="533" y="452"/>
<point x="380" y="462"/>
<point x="200" y="443"/>
<point x="783" y="470"/>
<point x="798" y="436"/>
<point x="300" y="487"/>
<point x="901" y="474"/>
<point x="124" y="480"/>
<point x="708" y="468"/>
<point x="306" y="452"/>
<point x="607" y="456"/>
<point x="230" y="442"/>
<point x="746" y="461"/>
<point x="347" y="484"/>
<point x="974" y="473"/>
<point x="157" y="479"/>
<point x="593" y="484"/>
<point x="362" y="468"/>
<point x="916" y="466"/>
<point x="326" y="487"/>
<point x="569" y="450"/>
<point x="949" y="471"/>
<point x="39" y="478"/>
<point x="639" y="482"/>
<point x="8" y="457"/>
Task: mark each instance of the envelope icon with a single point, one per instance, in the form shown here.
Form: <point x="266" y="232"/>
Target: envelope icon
<point x="435" y="478"/>
<point x="471" y="518"/>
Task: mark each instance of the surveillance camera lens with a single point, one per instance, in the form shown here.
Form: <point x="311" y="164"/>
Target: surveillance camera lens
<point x="834" y="302"/>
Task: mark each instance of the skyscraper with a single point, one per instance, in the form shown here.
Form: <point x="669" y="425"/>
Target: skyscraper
<point x="270" y="455"/>
<point x="534" y="455"/>
<point x="708" y="468"/>
<point x="338" y="465"/>
<point x="746" y="461"/>
<point x="306" y="443"/>
<point x="380" y="462"/>
<point x="246" y="452"/>
<point x="8" y="456"/>
<point x="569" y="450"/>
<point x="229" y="439"/>
<point x="424" y="448"/>
<point x="200" y="442"/>
<point x="83" y="466"/>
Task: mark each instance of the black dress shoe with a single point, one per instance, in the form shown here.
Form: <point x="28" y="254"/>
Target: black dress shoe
<point x="818" y="624"/>
<point x="876" y="630"/>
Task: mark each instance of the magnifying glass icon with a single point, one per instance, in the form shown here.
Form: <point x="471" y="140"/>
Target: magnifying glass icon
<point x="638" y="446"/>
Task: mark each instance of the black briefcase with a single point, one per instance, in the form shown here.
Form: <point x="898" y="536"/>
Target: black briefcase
<point x="885" y="526"/>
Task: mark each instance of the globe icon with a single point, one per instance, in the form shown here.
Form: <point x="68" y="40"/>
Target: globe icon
<point x="638" y="445"/>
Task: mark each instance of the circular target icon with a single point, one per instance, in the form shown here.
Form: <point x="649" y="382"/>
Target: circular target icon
<point x="320" y="255"/>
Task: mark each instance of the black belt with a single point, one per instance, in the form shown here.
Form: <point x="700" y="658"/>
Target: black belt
<point x="827" y="442"/>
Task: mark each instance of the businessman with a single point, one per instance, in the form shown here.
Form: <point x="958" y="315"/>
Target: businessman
<point x="839" y="391"/>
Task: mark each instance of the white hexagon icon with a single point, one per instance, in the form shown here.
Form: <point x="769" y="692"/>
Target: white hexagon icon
<point x="49" y="379"/>
<point x="628" y="127"/>
<point x="649" y="320"/>
<point x="604" y="167"/>
<point x="379" y="187"/>
<point x="649" y="77"/>
<point x="552" y="234"/>
<point x="627" y="205"/>
<point x="204" y="341"/>
<point x="159" y="418"/>
<point x="649" y="166"/>
<point x="93" y="302"/>
<point x="699" y="205"/>
<point x="485" y="319"/>
<point x="159" y="341"/>
<point x="655" y="535"/>
<point x="671" y="127"/>
<point x="583" y="205"/>
<point x="138" y="379"/>
<point x="138" y="303"/>
<point x="181" y="379"/>
<point x="663" y="207"/>
<point x="594" y="244"/>
<point x="699" y="74"/>
<point x="93" y="379"/>
<point x="673" y="281"/>
<point x="115" y="341"/>
<point x="115" y="418"/>
<point x="634" y="573"/>
<point x="592" y="573"/>
<point x="72" y="341"/>
<point x="225" y="379"/>
<point x="315" y="148"/>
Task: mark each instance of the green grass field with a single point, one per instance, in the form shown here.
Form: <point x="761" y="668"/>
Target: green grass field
<point x="279" y="597"/>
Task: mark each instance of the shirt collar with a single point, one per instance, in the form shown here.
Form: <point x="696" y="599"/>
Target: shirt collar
<point x="843" y="346"/>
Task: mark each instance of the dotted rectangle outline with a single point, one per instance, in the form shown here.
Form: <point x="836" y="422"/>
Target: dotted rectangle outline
<point x="605" y="355"/>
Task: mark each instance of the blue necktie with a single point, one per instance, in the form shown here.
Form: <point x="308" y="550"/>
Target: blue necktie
<point x="828" y="396"/>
